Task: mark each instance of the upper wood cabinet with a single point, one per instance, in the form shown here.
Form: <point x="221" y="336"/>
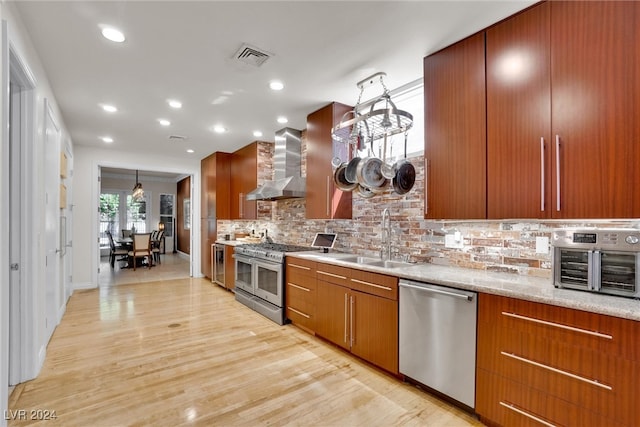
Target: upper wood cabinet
<point x="595" y="94"/>
<point x="244" y="178"/>
<point x="323" y="199"/>
<point x="214" y="173"/>
<point x="455" y="131"/>
<point x="562" y="91"/>
<point x="519" y="116"/>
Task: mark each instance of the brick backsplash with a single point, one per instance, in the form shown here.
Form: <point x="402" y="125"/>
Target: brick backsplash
<point x="507" y="246"/>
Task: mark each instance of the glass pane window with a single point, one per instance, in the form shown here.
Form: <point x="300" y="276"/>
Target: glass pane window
<point x="136" y="215"/>
<point x="109" y="210"/>
<point x="167" y="213"/>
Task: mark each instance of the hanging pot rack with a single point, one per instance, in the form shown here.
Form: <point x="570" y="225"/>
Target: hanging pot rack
<point x="383" y="119"/>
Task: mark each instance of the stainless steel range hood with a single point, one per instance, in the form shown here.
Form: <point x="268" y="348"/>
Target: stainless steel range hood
<point x="287" y="182"/>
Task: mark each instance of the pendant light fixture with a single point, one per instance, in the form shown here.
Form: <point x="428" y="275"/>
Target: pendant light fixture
<point x="138" y="192"/>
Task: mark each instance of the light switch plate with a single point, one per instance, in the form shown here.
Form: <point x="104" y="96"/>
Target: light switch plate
<point x="542" y="245"/>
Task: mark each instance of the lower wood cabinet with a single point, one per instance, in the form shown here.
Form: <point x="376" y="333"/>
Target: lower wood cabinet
<point x="354" y="309"/>
<point x="539" y="363"/>
<point x="229" y="267"/>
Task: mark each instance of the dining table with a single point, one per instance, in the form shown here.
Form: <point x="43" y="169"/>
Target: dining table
<point x="127" y="243"/>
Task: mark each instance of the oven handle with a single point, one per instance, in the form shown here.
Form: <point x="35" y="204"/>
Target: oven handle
<point x="594" y="262"/>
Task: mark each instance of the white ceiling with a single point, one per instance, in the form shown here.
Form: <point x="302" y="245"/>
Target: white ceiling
<point x="183" y="50"/>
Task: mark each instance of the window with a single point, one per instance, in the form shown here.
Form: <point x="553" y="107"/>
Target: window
<point x="119" y="211"/>
<point x="167" y="213"/>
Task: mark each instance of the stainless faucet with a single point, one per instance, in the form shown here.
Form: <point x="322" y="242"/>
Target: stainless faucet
<point x="385" y="229"/>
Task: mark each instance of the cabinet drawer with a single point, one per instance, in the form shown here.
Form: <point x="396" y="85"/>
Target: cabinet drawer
<point x="507" y="403"/>
<point x="607" y="334"/>
<point x="374" y="283"/>
<point x="302" y="266"/>
<point x="299" y="278"/>
<point x="301" y="298"/>
<point x="333" y="274"/>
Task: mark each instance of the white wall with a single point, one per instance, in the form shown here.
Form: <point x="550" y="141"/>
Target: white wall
<point x="86" y="193"/>
<point x="34" y="317"/>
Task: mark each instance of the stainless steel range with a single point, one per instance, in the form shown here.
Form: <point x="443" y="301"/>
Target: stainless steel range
<point x="260" y="277"/>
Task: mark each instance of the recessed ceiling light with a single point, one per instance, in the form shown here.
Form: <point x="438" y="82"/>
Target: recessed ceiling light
<point x="219" y="129"/>
<point x="164" y="122"/>
<point x="109" y="108"/>
<point x="174" y="103"/>
<point x="107" y="139"/>
<point x="276" y="85"/>
<point x="283" y="119"/>
<point x="257" y="133"/>
<point x="113" y="34"/>
<point x="190" y="151"/>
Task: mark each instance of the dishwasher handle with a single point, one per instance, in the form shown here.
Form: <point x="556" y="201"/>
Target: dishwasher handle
<point x="437" y="291"/>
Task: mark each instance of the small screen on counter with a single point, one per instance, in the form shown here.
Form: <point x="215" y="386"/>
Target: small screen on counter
<point x="324" y="240"/>
<point x="584" y="237"/>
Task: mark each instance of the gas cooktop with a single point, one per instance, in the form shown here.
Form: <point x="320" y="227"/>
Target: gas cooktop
<point x="270" y="251"/>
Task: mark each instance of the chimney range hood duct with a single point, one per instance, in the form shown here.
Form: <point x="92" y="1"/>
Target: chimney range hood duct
<point x="287" y="183"/>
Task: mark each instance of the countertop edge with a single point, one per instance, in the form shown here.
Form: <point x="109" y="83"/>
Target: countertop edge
<point x="528" y="288"/>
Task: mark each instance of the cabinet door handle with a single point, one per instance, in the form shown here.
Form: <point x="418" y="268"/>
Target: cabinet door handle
<point x="558" y="371"/>
<point x="526" y="414"/>
<point x="328" y="197"/>
<point x="346" y="316"/>
<point x="558" y="325"/>
<point x="542" y="174"/>
<point x="386" y="288"/>
<point x="353" y="337"/>
<point x="240" y="210"/>
<point x="299" y="312"/>
<point x="302" y="267"/>
<point x="558" y="173"/>
<point x="331" y="274"/>
<point x="302" y="288"/>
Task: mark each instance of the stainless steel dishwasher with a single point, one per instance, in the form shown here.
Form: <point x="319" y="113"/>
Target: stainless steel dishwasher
<point x="438" y="338"/>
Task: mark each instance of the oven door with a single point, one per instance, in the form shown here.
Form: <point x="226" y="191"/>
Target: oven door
<point x="244" y="273"/>
<point x="268" y="278"/>
<point x="573" y="268"/>
<point x="618" y="273"/>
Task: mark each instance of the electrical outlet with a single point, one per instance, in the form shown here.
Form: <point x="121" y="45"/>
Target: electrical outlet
<point x="542" y="245"/>
<point x="453" y="241"/>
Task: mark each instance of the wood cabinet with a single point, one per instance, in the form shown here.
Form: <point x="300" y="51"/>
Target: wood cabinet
<point x="300" y="293"/>
<point x="595" y="98"/>
<point x="214" y="202"/>
<point x="562" y="366"/>
<point x="229" y="267"/>
<point x="323" y="199"/>
<point x="519" y="116"/>
<point x="455" y="131"/>
<point x="562" y="90"/>
<point x="244" y="178"/>
<point x="355" y="317"/>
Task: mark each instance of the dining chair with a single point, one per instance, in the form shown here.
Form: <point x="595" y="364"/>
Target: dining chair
<point x="141" y="248"/>
<point x="115" y="250"/>
<point x="155" y="245"/>
<point x="126" y="233"/>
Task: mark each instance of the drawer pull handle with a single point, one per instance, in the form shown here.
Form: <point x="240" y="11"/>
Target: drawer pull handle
<point x="332" y="275"/>
<point x="302" y="288"/>
<point x="386" y="288"/>
<point x="526" y="414"/>
<point x="299" y="312"/>
<point x="302" y="267"/>
<point x="557" y="325"/>
<point x="558" y="371"/>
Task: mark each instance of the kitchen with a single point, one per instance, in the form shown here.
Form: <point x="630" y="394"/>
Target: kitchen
<point x="509" y="246"/>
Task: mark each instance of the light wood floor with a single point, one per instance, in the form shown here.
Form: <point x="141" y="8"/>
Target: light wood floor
<point x="184" y="352"/>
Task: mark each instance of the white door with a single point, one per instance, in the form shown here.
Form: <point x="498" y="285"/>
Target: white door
<point x="54" y="294"/>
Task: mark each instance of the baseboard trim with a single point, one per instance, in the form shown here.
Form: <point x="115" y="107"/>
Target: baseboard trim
<point x="87" y="285"/>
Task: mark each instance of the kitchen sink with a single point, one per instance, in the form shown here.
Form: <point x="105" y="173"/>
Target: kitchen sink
<point x="359" y="259"/>
<point x="389" y="264"/>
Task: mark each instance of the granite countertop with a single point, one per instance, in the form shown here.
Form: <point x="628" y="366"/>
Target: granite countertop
<point x="506" y="284"/>
<point x="232" y="242"/>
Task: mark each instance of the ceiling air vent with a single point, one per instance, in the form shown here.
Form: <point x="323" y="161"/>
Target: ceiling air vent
<point x="252" y="55"/>
<point x="177" y="138"/>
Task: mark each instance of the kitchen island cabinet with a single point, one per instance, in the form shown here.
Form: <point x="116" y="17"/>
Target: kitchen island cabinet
<point x="559" y="365"/>
<point x="214" y="196"/>
<point x="323" y="199"/>
<point x="244" y="178"/>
